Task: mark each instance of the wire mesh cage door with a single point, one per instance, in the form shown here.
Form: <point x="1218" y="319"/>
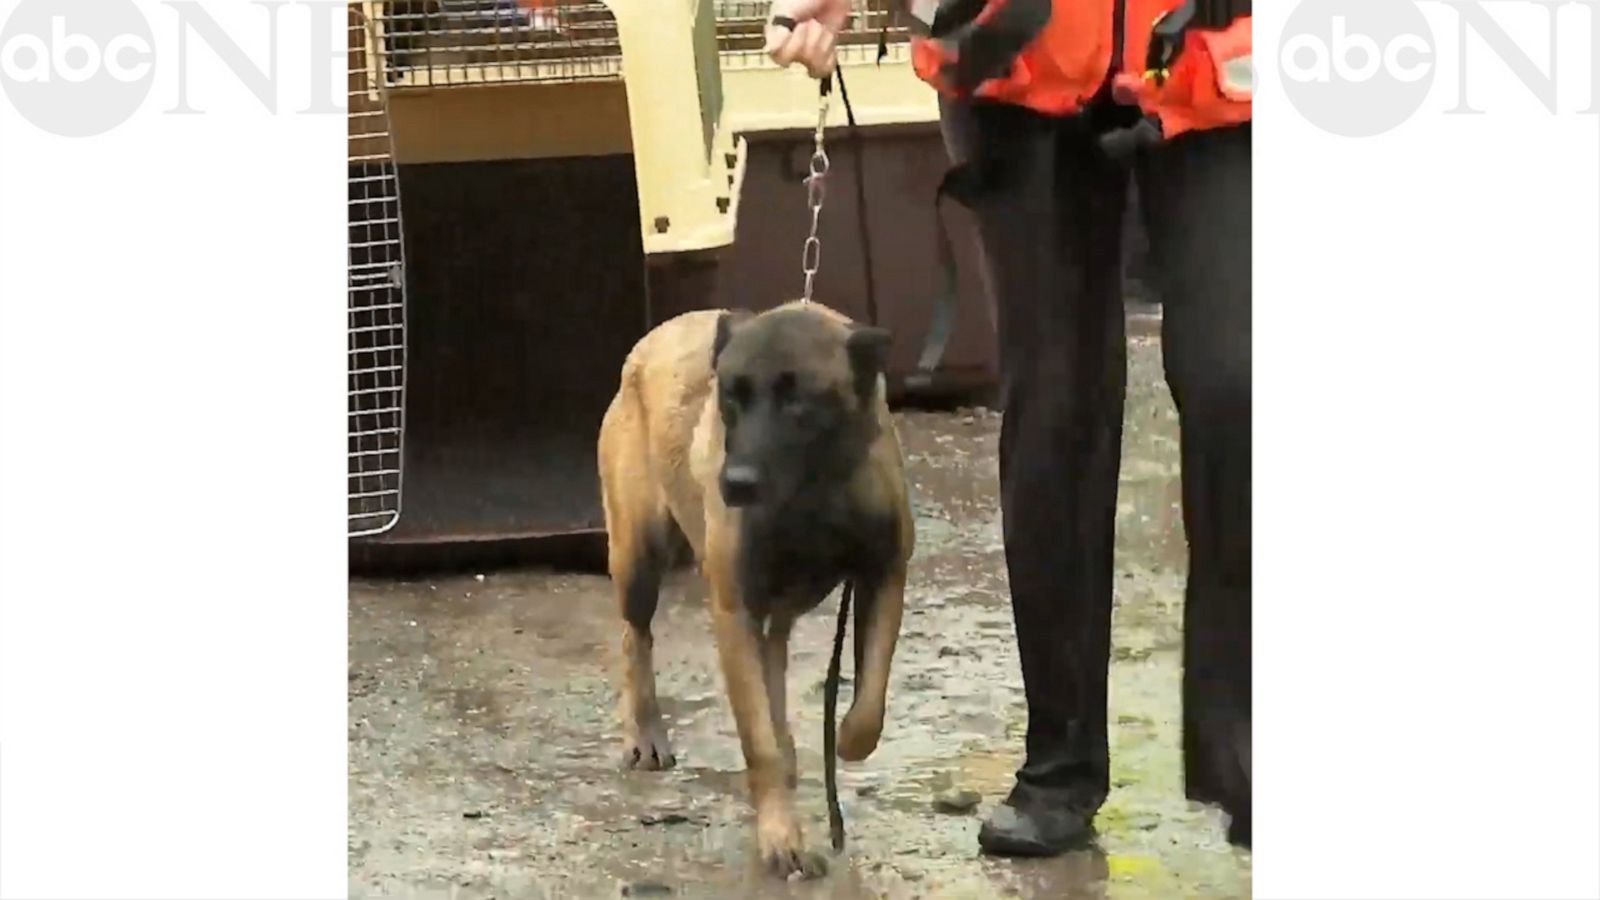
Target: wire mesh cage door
<point x="445" y="43"/>
<point x="376" y="289"/>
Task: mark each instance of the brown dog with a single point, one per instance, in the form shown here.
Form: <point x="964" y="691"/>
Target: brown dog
<point x="763" y="443"/>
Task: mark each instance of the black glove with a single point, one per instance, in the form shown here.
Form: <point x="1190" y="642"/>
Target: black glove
<point x="1219" y="14"/>
<point x="986" y="51"/>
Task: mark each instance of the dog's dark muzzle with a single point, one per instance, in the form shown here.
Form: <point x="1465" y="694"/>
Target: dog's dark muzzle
<point x="741" y="485"/>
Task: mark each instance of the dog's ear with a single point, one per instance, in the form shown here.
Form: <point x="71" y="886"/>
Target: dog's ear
<point x="726" y="323"/>
<point x="868" y="347"/>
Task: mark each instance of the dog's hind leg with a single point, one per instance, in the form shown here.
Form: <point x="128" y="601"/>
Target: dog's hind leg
<point x="638" y="529"/>
<point x="638" y="585"/>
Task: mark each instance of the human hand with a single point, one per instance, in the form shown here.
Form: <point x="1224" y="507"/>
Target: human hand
<point x="806" y="32"/>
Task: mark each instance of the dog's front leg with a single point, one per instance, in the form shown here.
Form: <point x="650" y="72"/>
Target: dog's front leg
<point x="775" y="663"/>
<point x="880" y="613"/>
<point x="739" y="645"/>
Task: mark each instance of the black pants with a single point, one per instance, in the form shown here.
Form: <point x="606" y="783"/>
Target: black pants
<point x="1049" y="206"/>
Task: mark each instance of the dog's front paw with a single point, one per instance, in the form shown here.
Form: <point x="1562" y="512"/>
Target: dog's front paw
<point x="648" y="749"/>
<point x="859" y="732"/>
<point x="783" y="848"/>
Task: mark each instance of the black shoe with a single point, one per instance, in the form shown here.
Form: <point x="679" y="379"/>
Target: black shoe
<point x="1036" y="831"/>
<point x="1239" y="831"/>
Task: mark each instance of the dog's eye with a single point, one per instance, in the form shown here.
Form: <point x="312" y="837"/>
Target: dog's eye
<point x="731" y="397"/>
<point x="787" y="395"/>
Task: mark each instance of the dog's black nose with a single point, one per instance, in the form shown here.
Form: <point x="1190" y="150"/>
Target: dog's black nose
<point x="741" y="485"/>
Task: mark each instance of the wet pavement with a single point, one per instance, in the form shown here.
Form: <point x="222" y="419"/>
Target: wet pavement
<point x="485" y="750"/>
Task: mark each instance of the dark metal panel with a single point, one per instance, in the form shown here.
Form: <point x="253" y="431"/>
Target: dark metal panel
<point x="526" y="289"/>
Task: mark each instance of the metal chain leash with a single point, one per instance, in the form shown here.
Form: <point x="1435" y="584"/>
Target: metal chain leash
<point x="816" y="191"/>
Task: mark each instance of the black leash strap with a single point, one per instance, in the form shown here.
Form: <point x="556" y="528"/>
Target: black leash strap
<point x="858" y="151"/>
<point x="830" y="726"/>
<point x="830" y="686"/>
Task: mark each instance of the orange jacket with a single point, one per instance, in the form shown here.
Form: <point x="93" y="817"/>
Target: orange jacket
<point x="1069" y="61"/>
